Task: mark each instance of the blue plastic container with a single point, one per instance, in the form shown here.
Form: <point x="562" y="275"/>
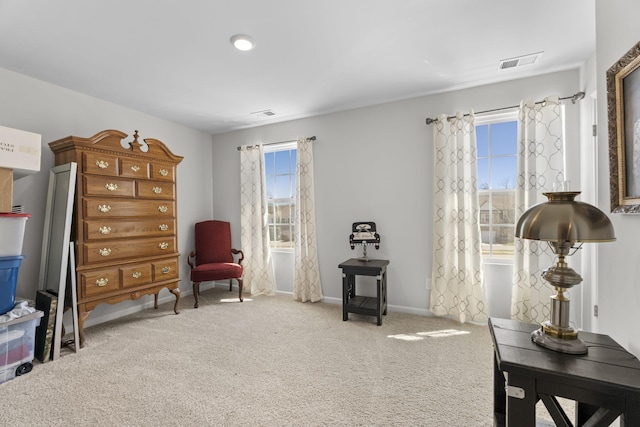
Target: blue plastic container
<point x="9" y="266"/>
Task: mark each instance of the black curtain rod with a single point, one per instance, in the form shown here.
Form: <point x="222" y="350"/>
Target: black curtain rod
<point x="313" y="138"/>
<point x="574" y="98"/>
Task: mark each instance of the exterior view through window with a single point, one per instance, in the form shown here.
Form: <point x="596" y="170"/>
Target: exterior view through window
<point x="280" y="172"/>
<point x="497" y="142"/>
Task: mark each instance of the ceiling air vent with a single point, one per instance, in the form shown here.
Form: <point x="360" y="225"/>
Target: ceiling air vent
<point x="263" y="113"/>
<point x="520" y="61"/>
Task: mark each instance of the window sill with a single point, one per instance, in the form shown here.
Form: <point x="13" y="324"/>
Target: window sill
<point x="282" y="250"/>
<point x="497" y="261"/>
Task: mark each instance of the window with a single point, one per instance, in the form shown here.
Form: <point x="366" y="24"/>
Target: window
<point x="280" y="172"/>
<point x="497" y="142"/>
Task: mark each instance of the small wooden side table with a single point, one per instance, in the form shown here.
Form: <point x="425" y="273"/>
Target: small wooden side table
<point x="605" y="382"/>
<point x="370" y="306"/>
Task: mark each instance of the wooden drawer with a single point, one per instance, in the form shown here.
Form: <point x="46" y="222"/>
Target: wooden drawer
<point x="156" y="190"/>
<point x="100" y="164"/>
<point x="163" y="172"/>
<point x="111" y="208"/>
<point x="165" y="269"/>
<point x="98" y="282"/>
<point x="136" y="275"/>
<point x="118" y="229"/>
<point x="117" y="250"/>
<point x="106" y="186"/>
<point x="134" y="168"/>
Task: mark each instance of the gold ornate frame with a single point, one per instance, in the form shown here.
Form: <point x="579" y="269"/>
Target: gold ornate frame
<point x="623" y="114"/>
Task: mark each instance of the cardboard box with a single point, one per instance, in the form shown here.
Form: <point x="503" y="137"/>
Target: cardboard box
<point x="17" y="340"/>
<point x="20" y="151"/>
<point x="6" y="189"/>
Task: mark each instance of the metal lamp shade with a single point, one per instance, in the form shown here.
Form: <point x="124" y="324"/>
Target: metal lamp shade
<point x="563" y="219"/>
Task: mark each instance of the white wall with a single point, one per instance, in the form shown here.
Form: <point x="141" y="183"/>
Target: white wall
<point x="617" y="31"/>
<point x="375" y="164"/>
<point x="54" y="113"/>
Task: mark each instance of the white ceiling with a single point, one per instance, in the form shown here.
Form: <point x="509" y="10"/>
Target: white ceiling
<point x="173" y="59"/>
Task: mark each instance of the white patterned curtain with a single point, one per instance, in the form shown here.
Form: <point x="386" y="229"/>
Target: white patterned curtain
<point x="258" y="266"/>
<point x="457" y="287"/>
<point x="306" y="278"/>
<point x="540" y="164"/>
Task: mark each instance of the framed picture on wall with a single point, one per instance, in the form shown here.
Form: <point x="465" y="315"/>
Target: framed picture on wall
<point x="623" y="104"/>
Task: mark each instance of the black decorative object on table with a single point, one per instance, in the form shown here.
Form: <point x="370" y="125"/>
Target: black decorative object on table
<point x="364" y="233"/>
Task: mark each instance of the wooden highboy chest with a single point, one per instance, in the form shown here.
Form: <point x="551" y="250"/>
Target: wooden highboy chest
<point x="125" y="219"/>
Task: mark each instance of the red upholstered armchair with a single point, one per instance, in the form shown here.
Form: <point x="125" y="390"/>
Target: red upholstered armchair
<point x="214" y="256"/>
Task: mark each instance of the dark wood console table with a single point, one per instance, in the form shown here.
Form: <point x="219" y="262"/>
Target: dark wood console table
<point x="352" y="303"/>
<point x="605" y="382"/>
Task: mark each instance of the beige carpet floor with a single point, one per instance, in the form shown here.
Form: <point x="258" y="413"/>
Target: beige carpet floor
<point x="268" y="361"/>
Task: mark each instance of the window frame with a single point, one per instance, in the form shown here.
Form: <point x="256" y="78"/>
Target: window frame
<point x="511" y="115"/>
<point x="272" y="148"/>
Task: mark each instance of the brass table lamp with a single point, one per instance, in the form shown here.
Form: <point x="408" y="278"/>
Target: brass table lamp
<point x="563" y="222"/>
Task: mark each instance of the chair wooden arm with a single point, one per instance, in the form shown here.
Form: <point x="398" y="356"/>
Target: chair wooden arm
<point x="191" y="255"/>
<point x="236" y="252"/>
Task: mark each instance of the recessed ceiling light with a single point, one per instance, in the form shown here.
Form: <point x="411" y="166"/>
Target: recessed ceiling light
<point x="242" y="42"/>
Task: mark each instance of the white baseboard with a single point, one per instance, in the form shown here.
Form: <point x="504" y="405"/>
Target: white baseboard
<point x="165" y="297"/>
<point x="396" y="308"/>
<point x="168" y="297"/>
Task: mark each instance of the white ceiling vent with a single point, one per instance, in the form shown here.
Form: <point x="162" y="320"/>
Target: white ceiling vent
<point x="263" y="113"/>
<point x="520" y="61"/>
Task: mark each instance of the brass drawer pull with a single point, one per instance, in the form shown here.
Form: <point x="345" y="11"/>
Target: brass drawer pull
<point x="105" y="230"/>
<point x="102" y="282"/>
<point x="163" y="227"/>
<point x="163" y="172"/>
<point x="136" y="275"/>
<point x="165" y="270"/>
<point x="162" y="208"/>
<point x="111" y="186"/>
<point x="104" y="208"/>
<point x="135" y="168"/>
<point x="157" y="190"/>
<point x="102" y="164"/>
<point x="104" y="251"/>
<point x="163" y="245"/>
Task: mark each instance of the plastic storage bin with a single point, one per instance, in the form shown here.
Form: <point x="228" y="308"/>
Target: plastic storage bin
<point x="8" y="280"/>
<point x="12" y="227"/>
<point x="17" y="343"/>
